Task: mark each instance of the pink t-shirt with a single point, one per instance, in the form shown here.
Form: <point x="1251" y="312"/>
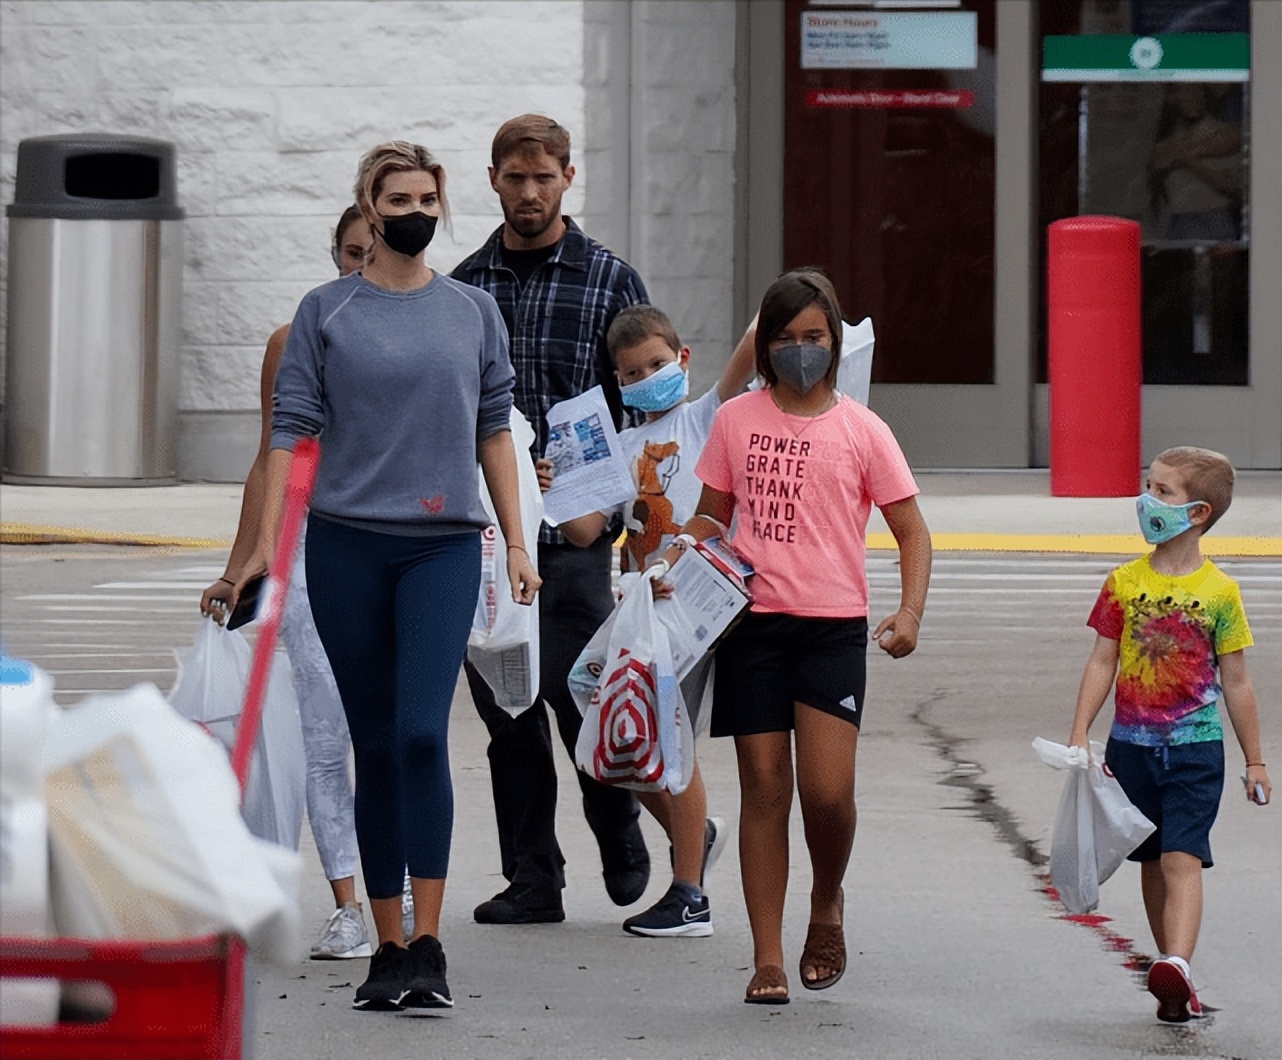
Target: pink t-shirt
<point x="803" y="487"/>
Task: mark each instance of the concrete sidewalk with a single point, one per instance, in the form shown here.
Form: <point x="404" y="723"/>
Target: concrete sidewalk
<point x="966" y="510"/>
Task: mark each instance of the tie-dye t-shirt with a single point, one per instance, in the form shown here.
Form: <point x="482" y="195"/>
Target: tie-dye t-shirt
<point x="1171" y="632"/>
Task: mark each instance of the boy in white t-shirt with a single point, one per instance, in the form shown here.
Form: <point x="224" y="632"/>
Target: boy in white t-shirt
<point x="653" y="372"/>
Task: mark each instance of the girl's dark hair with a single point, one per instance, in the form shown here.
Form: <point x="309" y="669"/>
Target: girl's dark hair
<point x="792" y="292"/>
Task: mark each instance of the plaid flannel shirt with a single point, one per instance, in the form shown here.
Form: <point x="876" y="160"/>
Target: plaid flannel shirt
<point x="557" y="324"/>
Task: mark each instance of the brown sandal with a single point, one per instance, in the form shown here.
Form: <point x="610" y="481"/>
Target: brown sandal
<point x="825" y="948"/>
<point x="769" y="977"/>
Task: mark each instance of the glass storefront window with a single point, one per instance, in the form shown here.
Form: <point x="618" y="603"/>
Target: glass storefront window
<point x="1144" y="114"/>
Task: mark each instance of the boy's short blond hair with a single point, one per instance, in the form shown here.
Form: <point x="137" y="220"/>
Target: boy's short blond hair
<point x="637" y="323"/>
<point x="1208" y="476"/>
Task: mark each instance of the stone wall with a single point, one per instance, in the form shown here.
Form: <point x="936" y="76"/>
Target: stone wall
<point x="270" y="105"/>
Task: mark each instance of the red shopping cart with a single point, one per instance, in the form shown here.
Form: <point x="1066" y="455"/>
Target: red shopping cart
<point x="173" y="998"/>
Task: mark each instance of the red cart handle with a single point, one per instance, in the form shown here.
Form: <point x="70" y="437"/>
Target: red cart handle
<point x="298" y="491"/>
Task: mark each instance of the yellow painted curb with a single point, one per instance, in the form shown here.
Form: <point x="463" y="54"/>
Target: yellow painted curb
<point x="29" y="534"/>
<point x="1093" y="544"/>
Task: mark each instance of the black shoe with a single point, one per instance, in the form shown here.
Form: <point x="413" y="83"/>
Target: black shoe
<point x="521" y="905"/>
<point x="627" y="872"/>
<point x="425" y="985"/>
<point x="384" y="987"/>
<point x="678" y="912"/>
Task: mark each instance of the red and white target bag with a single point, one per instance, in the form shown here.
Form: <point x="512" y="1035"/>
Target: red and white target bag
<point x="635" y="732"/>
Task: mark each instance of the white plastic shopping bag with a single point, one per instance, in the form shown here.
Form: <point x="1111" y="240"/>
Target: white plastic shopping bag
<point x="636" y="732"/>
<point x="1096" y="826"/>
<point x="146" y="837"/>
<point x="854" y="374"/>
<point x="212" y="676"/>
<point x="26" y="705"/>
<point x="504" y="642"/>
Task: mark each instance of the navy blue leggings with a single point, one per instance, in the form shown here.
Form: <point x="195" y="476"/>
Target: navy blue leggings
<point x="393" y="614"/>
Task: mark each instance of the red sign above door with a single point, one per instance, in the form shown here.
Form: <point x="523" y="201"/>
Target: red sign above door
<point x="890" y="98"/>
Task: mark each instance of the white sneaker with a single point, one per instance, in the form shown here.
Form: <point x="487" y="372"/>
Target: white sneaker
<point x="407" y="909"/>
<point x="343" y="936"/>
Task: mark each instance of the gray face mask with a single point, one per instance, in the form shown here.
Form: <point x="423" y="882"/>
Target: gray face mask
<point x="801" y="366"/>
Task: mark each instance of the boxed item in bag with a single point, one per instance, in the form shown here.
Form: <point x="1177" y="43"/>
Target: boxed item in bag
<point x="709" y="592"/>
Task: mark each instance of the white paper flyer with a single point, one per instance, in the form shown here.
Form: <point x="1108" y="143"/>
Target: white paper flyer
<point x="590" y="472"/>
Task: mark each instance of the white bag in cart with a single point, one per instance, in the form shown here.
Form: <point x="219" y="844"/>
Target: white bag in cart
<point x="1096" y="826"/>
<point x="146" y="837"/>
<point x="26" y="705"/>
<point x="504" y="642"/>
<point x="212" y="676"/>
<point x="636" y="732"/>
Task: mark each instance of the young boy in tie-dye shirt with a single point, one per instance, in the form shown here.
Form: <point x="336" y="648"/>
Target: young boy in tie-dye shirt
<point x="1172" y="630"/>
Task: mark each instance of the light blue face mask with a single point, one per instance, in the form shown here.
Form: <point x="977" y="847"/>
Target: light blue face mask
<point x="658" y="392"/>
<point x="1160" y="522"/>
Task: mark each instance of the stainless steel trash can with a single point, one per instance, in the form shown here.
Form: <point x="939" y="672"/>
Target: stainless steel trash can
<point x="95" y="312"/>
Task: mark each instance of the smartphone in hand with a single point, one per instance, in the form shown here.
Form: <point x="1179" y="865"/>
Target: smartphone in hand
<point x="246" y="609"/>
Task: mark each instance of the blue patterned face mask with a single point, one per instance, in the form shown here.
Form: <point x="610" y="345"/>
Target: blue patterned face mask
<point x="1160" y="522"/>
<point x="658" y="392"/>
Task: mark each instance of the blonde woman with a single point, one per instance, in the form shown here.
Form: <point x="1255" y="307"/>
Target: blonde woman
<point x="405" y="374"/>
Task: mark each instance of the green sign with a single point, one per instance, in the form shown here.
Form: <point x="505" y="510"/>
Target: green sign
<point x="1170" y="57"/>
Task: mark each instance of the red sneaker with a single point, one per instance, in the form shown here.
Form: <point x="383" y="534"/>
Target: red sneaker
<point x="1195" y="1007"/>
<point x="1169" y="981"/>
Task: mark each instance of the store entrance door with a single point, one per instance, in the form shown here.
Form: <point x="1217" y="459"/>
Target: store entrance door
<point x="891" y="154"/>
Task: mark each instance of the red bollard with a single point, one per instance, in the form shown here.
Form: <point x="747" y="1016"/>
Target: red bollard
<point x="1095" y="372"/>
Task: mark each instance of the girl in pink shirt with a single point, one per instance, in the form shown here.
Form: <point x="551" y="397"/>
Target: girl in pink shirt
<point x="797" y="466"/>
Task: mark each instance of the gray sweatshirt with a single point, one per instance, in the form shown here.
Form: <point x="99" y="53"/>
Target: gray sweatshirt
<point x="400" y="386"/>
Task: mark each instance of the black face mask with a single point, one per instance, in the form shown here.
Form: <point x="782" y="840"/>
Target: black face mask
<point x="408" y="234"/>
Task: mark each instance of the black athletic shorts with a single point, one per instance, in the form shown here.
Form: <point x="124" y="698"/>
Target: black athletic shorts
<point x="769" y="662"/>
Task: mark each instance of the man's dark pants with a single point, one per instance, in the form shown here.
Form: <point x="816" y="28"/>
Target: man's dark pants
<point x="575" y="599"/>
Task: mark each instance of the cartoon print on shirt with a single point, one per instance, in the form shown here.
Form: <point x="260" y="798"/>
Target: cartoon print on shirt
<point x="776" y="471"/>
<point x="651" y="512"/>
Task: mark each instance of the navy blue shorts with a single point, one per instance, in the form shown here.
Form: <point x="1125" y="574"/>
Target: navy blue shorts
<point x="1178" y="788"/>
<point x="769" y="662"/>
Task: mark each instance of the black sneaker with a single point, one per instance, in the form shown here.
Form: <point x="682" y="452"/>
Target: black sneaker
<point x="521" y="905"/>
<point x="425" y="985"/>
<point x="678" y="912"/>
<point x="384" y="987"/>
<point x="627" y="868"/>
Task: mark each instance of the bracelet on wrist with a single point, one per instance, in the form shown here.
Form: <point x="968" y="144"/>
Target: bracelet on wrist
<point x="228" y="581"/>
<point x="519" y="548"/>
<point x="915" y="617"/>
<point x="1253" y="765"/>
<point x="684" y="541"/>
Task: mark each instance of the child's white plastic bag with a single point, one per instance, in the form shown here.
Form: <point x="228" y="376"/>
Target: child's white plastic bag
<point x="1096" y="826"/>
<point x="504" y="642"/>
<point x="854" y="374"/>
<point x="146" y="837"/>
<point x="636" y="732"/>
<point x="212" y="676"/>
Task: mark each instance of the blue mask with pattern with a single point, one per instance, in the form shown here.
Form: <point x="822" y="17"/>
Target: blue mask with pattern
<point x="1160" y="522"/>
<point x="658" y="392"/>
